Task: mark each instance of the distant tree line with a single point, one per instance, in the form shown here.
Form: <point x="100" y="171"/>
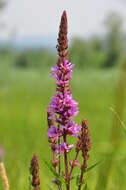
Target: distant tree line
<point x="100" y="51"/>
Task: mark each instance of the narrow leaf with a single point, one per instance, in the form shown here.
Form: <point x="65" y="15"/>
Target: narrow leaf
<point x="74" y="176"/>
<point x="93" y="166"/>
<point x="86" y="187"/>
<point x="87" y="170"/>
<point x="51" y="188"/>
<point x="59" y="177"/>
<point x="78" y="180"/>
<point x="118" y="117"/>
<point x="30" y="182"/>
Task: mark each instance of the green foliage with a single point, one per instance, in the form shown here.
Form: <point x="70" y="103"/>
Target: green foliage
<point x="93" y="166"/>
<point x="87" y="170"/>
<point x="105" y="51"/>
<point x="77" y="180"/>
<point x="87" y="53"/>
<point x="3" y="3"/>
<point x="114" y="39"/>
<point x="35" y="59"/>
<point x="30" y="182"/>
<point x="24" y="96"/>
<point x="21" y="61"/>
<point x="118" y="118"/>
<point x="51" y="188"/>
<point x="52" y="170"/>
<point x="86" y="187"/>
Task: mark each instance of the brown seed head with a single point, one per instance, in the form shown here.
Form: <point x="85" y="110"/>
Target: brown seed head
<point x="85" y="139"/>
<point x="84" y="143"/>
<point x="35" y="173"/>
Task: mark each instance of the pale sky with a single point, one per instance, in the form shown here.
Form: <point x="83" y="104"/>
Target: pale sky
<point x="42" y="17"/>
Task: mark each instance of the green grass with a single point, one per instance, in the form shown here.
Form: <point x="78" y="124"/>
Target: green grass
<point x="24" y="97"/>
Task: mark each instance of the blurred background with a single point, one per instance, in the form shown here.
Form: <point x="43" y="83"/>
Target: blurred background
<point x="97" y="47"/>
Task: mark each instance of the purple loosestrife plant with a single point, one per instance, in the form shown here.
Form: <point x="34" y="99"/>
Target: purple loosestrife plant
<point x="60" y="115"/>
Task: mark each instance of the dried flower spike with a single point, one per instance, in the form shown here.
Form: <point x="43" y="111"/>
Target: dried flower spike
<point x="35" y="173"/>
<point x="4" y="176"/>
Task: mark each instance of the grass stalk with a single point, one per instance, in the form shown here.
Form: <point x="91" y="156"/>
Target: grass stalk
<point x="4" y="176"/>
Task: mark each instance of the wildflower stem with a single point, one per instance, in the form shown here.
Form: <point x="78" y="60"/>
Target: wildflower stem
<point x="72" y="165"/>
<point x="59" y="156"/>
<point x="59" y="169"/>
<point x="82" y="174"/>
<point x="66" y="164"/>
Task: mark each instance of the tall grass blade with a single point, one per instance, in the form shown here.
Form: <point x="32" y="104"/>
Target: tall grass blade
<point x="104" y="173"/>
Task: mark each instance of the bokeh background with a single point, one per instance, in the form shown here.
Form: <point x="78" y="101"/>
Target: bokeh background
<point x="97" y="47"/>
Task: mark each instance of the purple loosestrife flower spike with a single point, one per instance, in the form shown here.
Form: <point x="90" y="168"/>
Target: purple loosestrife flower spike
<point x="35" y="173"/>
<point x="62" y="110"/>
<point x="63" y="107"/>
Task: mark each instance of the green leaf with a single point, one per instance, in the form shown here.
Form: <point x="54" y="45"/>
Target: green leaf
<point x="74" y="176"/>
<point x="87" y="170"/>
<point x="86" y="187"/>
<point x="52" y="170"/>
<point x="78" y="180"/>
<point x="51" y="188"/>
<point x="93" y="166"/>
<point x="30" y="182"/>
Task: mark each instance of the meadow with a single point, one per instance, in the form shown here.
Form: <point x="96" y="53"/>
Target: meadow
<point x="24" y="96"/>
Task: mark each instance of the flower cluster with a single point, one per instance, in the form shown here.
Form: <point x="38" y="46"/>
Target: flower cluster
<point x="62" y="108"/>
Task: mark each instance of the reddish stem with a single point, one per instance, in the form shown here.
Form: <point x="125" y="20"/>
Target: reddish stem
<point x="72" y="165"/>
<point x="82" y="174"/>
<point x="66" y="164"/>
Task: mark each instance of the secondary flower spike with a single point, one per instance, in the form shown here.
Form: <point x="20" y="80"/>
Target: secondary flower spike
<point x="35" y="173"/>
<point x="84" y="146"/>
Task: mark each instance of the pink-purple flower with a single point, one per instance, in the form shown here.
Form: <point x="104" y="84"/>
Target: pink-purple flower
<point x="66" y="73"/>
<point x="63" y="108"/>
<point x="64" y="105"/>
<point x="64" y="147"/>
<point x="72" y="128"/>
<point x="54" y="133"/>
